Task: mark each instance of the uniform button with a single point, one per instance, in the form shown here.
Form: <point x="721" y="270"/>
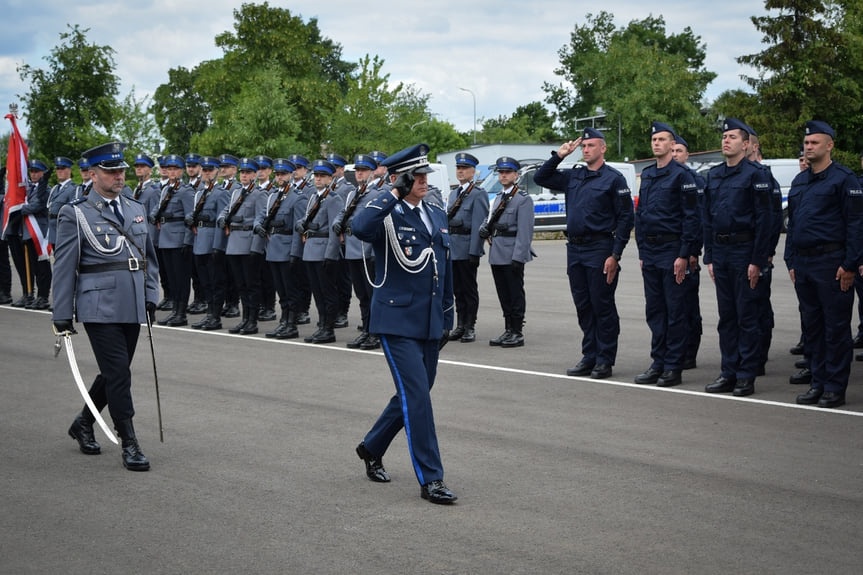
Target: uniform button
<point x="391" y="301"/>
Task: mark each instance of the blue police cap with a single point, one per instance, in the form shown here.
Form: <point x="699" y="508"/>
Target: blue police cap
<point x="323" y="167"/>
<point x="193" y="159"/>
<point x="263" y="162"/>
<point x="173" y="160"/>
<point x="160" y="159"/>
<point x="464" y="160"/>
<point x="657" y="127"/>
<point x="143" y="159"/>
<point x="818" y="127"/>
<point x="414" y="160"/>
<point x="801" y="153"/>
<point x="107" y="156"/>
<point x="62" y="162"/>
<point x="378" y="156"/>
<point x="507" y="163"/>
<point x="365" y="161"/>
<point x="337" y="160"/>
<point x="681" y="141"/>
<point x="248" y="165"/>
<point x="591" y="133"/>
<point x="299" y="161"/>
<point x="283" y="165"/>
<point x="734" y="124"/>
<point x="37" y="165"/>
<point x="210" y="162"/>
<point x="228" y="160"/>
<point x="83" y="164"/>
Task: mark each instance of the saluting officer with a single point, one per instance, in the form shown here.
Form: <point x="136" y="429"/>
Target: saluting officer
<point x="202" y="221"/>
<point x="412" y="310"/>
<point x="106" y="278"/>
<point x="666" y="232"/>
<point x="736" y="248"/>
<point x="61" y="194"/>
<point x="509" y="230"/>
<point x="599" y="220"/>
<point x="823" y="249"/>
<point x="467" y="209"/>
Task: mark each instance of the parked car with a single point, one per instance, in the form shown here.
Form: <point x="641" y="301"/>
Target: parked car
<point x="549" y="206"/>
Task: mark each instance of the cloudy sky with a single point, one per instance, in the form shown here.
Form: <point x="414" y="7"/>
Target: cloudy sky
<point x="501" y="50"/>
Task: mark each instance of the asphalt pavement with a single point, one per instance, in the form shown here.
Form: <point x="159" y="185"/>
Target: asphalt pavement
<point x="257" y="472"/>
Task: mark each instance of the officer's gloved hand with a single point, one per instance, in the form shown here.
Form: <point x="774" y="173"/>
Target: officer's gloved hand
<point x="64" y="325"/>
<point x="151" y="311"/>
<point x="42" y="186"/>
<point x="152" y="219"/>
<point x="484" y="232"/>
<point x="474" y="260"/>
<point x="189" y="221"/>
<point x="337" y="228"/>
<point x="259" y="229"/>
<point x="300" y="227"/>
<point x="443" y="340"/>
<point x="220" y="223"/>
<point x="517" y="266"/>
<point x="404" y="184"/>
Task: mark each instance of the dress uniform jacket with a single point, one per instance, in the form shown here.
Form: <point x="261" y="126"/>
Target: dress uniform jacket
<point x="322" y="243"/>
<point x="61" y="194"/>
<point x="464" y="226"/>
<point x="36" y="204"/>
<point x="242" y="222"/>
<point x="205" y="222"/>
<point x="426" y="297"/>
<point x="355" y="248"/>
<point x="172" y="233"/>
<point x="513" y="232"/>
<point x="300" y="205"/>
<point x="101" y="295"/>
<point x="280" y="230"/>
<point x="223" y="198"/>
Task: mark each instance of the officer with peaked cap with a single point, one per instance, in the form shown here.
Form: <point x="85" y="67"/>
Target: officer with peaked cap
<point x="86" y="183"/>
<point x="343" y="188"/>
<point x="412" y="311"/>
<point x="599" y="220"/>
<point x="737" y="217"/>
<point x="466" y="212"/>
<point x="224" y="287"/>
<point x="61" y="194"/>
<point x="28" y="244"/>
<point x="267" y="311"/>
<point x="302" y="184"/>
<point x="193" y="170"/>
<point x="666" y="232"/>
<point x="202" y="222"/>
<point x="680" y="153"/>
<point x="107" y="279"/>
<point x="824" y="252"/>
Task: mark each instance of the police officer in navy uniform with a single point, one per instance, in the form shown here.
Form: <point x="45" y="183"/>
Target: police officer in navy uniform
<point x="599" y="220"/>
<point x="412" y="312"/>
<point x="202" y="221"/>
<point x="106" y="278"/>
<point x="737" y="228"/>
<point x="666" y="232"/>
<point x="680" y="153"/>
<point x="467" y="209"/>
<point x="359" y="257"/>
<point x="823" y="252"/>
<point x="61" y="194"/>
<point x="169" y="215"/>
<point x="509" y="230"/>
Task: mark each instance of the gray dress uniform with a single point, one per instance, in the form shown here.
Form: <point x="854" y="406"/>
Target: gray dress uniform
<point x="60" y="195"/>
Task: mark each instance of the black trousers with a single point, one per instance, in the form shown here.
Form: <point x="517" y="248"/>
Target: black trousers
<point x="283" y="280"/>
<point x="465" y="290"/>
<point x="268" y="289"/>
<point x="5" y="269"/>
<point x="223" y="284"/>
<point x="362" y="287"/>
<point x="509" y="282"/>
<point x="324" y="279"/>
<point x="246" y="271"/>
<point x="204" y="270"/>
<point x="40" y="271"/>
<point x="114" y="347"/>
<point x="178" y="266"/>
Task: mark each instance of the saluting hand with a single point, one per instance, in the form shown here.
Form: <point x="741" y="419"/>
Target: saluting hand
<point x="568" y="147"/>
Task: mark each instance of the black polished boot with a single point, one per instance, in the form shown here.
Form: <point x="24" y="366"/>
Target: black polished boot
<point x="251" y="326"/>
<point x="237" y="328"/>
<point x="82" y="432"/>
<point x="327" y="333"/>
<point x="290" y="331"/>
<point x="165" y="320"/>
<point x="214" y="321"/>
<point x="516" y="338"/>
<point x="133" y="458"/>
<point x="505" y="335"/>
<point x="179" y="318"/>
<point x="283" y="324"/>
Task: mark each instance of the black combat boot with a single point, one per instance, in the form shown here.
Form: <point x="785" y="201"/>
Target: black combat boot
<point x="505" y="335"/>
<point x="516" y="338"/>
<point x="290" y="331"/>
<point x="238" y="328"/>
<point x="327" y="332"/>
<point x="251" y="326"/>
<point x="82" y="432"/>
<point x="133" y="458"/>
<point x="214" y="321"/>
<point x="165" y="320"/>
<point x="283" y="324"/>
<point x="179" y="318"/>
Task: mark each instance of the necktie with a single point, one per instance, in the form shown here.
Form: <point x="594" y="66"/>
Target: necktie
<point x="419" y="214"/>
<point x="117" y="213"/>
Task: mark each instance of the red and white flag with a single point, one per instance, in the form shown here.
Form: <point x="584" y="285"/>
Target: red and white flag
<point x="18" y="183"/>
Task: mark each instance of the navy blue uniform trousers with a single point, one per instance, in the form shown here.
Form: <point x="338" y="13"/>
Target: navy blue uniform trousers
<point x="413" y="364"/>
<point x="114" y="347"/>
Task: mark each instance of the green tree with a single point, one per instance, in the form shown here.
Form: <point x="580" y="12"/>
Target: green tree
<point x="179" y="110"/>
<point x="70" y="106"/>
<point x="135" y="125"/>
<point x="531" y="123"/>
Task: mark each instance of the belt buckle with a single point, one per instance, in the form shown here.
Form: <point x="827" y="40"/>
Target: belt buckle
<point x="162" y="220"/>
<point x="134" y="265"/>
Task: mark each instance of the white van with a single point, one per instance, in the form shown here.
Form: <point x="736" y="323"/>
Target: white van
<point x="784" y="170"/>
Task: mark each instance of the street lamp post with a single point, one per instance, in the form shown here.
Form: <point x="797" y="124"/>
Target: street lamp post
<point x="474" y="112"/>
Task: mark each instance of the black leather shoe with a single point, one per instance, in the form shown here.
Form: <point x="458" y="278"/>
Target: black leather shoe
<point x="688" y="363"/>
<point x="859" y="357"/>
<point x="802" y="377"/>
<point x="213" y="323"/>
<point x="456" y="333"/>
<point x="360" y="339"/>
<point x="744" y="387"/>
<point x="797" y="349"/>
<point x="669" y="378"/>
<point x="5" y="298"/>
<point x="601" y="371"/>
<point x="858" y="341"/>
<point x="82" y="432"/>
<point x="649" y="377"/>
<point x="165" y="305"/>
<point x="499" y="339"/>
<point x="197" y="307"/>
<point x="582" y="368"/>
<point x="515" y="339"/>
<point x="266" y="314"/>
<point x="230" y="311"/>
<point x="133" y="458"/>
<point x="801" y="363"/>
<point x="374" y="465"/>
<point x="811" y="397"/>
<point x="325" y="336"/>
<point x="303" y="318"/>
<point x="239" y="327"/>
<point x="23" y="301"/>
<point x="721" y="384"/>
<point x="290" y="332"/>
<point x="469" y="335"/>
<point x="178" y="320"/>
<point x="341" y="321"/>
<point x="41" y="303"/>
<point x="201" y="323"/>
<point x="831" y="399"/>
<point x="278" y="330"/>
<point x="436" y="492"/>
<point x="373" y="342"/>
